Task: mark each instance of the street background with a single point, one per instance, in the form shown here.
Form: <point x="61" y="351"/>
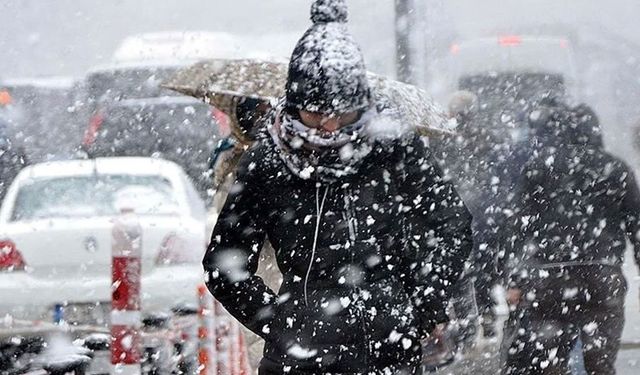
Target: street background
<point x="68" y="37"/>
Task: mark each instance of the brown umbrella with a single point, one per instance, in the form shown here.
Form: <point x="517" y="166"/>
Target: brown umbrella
<point x="222" y="82"/>
<point x="410" y="104"/>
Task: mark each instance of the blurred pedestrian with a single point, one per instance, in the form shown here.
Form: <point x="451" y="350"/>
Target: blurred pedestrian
<point x="576" y="206"/>
<point x="367" y="234"/>
<point x="470" y="159"/>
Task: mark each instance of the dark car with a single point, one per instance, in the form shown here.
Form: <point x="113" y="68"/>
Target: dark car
<point x="508" y="73"/>
<point x="131" y="115"/>
<point x="506" y="99"/>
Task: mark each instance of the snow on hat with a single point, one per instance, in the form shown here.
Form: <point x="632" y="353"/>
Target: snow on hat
<point x="327" y="73"/>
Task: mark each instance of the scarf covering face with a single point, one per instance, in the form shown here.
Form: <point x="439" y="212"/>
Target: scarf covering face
<point x="311" y="154"/>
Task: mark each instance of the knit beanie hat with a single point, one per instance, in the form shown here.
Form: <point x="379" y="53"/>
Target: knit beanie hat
<point x="327" y="73"/>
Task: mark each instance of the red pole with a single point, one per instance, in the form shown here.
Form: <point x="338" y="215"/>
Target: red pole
<point x="126" y="250"/>
<point x="244" y="355"/>
<point x="206" y="333"/>
<point x="222" y="341"/>
<point x="237" y="353"/>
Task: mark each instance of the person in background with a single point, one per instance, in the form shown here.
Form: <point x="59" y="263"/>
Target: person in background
<point x="576" y="206"/>
<point x="246" y="117"/>
<point x="469" y="160"/>
<point x="367" y="234"/>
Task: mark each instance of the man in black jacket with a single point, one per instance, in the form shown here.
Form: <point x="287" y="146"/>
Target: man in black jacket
<point x="576" y="207"/>
<point x="368" y="236"/>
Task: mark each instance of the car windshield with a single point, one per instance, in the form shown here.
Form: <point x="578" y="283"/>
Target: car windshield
<point x="91" y="196"/>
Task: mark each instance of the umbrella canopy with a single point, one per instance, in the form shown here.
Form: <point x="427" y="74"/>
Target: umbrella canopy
<point x="221" y="82"/>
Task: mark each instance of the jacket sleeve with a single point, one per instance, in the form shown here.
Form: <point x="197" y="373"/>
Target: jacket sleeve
<point x="631" y="211"/>
<point x="438" y="234"/>
<point x="231" y="260"/>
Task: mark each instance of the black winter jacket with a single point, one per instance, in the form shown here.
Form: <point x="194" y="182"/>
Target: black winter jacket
<point x="367" y="261"/>
<point x="576" y="205"/>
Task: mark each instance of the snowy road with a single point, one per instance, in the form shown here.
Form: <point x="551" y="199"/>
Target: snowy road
<point x="485" y="361"/>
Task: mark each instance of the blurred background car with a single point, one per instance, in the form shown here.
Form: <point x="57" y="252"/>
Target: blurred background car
<point x="12" y="154"/>
<point x="508" y="74"/>
<point x="55" y="236"/>
<point x="133" y="116"/>
<point x="43" y="116"/>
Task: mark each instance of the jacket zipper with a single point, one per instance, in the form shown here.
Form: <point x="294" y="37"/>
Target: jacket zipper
<point x="352" y="224"/>
<point x="319" y="211"/>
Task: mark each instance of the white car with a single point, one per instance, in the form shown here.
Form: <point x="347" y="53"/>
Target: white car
<point x="55" y="236"/>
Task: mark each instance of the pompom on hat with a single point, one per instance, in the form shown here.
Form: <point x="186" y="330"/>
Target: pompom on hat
<point x="325" y="11"/>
